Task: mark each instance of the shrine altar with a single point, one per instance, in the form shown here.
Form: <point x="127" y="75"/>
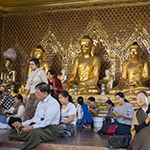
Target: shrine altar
<point x="101" y="99"/>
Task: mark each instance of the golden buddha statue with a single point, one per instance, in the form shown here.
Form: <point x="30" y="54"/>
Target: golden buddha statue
<point x="135" y="73"/>
<point x="7" y="77"/>
<point x="108" y="79"/>
<point x="87" y="68"/>
<point x="39" y="53"/>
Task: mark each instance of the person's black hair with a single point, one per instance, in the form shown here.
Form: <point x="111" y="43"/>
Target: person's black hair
<point x="87" y="37"/>
<point x="19" y="96"/>
<point x="1" y="92"/>
<point x="92" y="99"/>
<point x="36" y="61"/>
<point x="40" y="47"/>
<point x="8" y="59"/>
<point x="120" y="94"/>
<point x="65" y="94"/>
<point x="145" y="93"/>
<point x="43" y="87"/>
<point x="109" y="102"/>
<point x="51" y="72"/>
<point x="80" y="100"/>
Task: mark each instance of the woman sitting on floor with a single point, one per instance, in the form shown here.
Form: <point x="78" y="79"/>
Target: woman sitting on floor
<point x="84" y="118"/>
<point x="15" y="113"/>
<point x="67" y="126"/>
<point x="123" y="114"/>
<point x="110" y="107"/>
<point x="93" y="109"/>
<point x="140" y="128"/>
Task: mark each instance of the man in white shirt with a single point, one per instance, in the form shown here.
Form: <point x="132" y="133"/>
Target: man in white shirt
<point x="43" y="126"/>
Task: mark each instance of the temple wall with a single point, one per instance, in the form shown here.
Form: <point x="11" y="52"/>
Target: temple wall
<point x="27" y="30"/>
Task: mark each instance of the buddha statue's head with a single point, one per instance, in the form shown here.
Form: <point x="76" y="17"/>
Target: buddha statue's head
<point x="39" y="53"/>
<point x="8" y="62"/>
<point x="86" y="44"/>
<point x="63" y="71"/>
<point x="135" y="51"/>
<point x="107" y="72"/>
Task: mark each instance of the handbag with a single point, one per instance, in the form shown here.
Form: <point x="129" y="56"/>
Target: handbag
<point x="118" y="141"/>
<point x="112" y="129"/>
<point x="107" y="129"/>
<point x="105" y="126"/>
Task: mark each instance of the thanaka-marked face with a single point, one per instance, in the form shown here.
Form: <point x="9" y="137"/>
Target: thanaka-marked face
<point x="119" y="100"/>
<point x="32" y="65"/>
<point x="142" y="99"/>
<point x="17" y="100"/>
<point x="50" y="76"/>
<point x="108" y="106"/>
<point x="86" y="46"/>
<point x="63" y="100"/>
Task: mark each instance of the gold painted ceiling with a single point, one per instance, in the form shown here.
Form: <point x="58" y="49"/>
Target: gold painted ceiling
<point x="15" y="4"/>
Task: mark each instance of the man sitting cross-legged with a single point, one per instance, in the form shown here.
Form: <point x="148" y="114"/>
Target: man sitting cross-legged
<point x="43" y="126"/>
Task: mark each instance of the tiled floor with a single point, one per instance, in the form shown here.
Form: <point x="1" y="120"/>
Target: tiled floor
<point x="83" y="139"/>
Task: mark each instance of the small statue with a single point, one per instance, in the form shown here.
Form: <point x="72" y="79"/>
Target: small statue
<point x="87" y="68"/>
<point x="63" y="76"/>
<point x="108" y="79"/>
<point x="8" y="77"/>
<point x="135" y="73"/>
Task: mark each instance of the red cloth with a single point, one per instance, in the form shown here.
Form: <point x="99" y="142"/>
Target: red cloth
<point x="56" y="84"/>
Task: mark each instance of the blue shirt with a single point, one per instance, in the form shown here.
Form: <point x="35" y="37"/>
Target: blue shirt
<point x="47" y="113"/>
<point x="86" y="113"/>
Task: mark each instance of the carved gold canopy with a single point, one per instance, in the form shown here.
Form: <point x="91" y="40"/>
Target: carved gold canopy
<point x="11" y="7"/>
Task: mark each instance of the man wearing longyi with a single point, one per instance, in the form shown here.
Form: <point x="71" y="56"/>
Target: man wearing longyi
<point x="43" y="126"/>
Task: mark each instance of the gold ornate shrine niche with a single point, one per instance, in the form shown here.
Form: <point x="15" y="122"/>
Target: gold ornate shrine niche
<point x="8" y="75"/>
<point x="87" y="68"/>
<point x="84" y="65"/>
<point x="135" y="63"/>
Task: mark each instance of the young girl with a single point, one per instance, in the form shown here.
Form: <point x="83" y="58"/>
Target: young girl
<point x="110" y="107"/>
<point x="68" y="113"/>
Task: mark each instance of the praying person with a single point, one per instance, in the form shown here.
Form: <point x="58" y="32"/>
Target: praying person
<point x="43" y="127"/>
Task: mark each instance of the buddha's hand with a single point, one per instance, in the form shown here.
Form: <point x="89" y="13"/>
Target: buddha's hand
<point x="66" y="85"/>
<point x="83" y="83"/>
<point x="17" y="124"/>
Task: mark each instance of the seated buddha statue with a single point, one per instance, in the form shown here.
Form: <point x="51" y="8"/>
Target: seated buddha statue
<point x="135" y="73"/>
<point x="86" y="68"/>
<point x="108" y="79"/>
<point x="7" y="77"/>
<point x="39" y="53"/>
